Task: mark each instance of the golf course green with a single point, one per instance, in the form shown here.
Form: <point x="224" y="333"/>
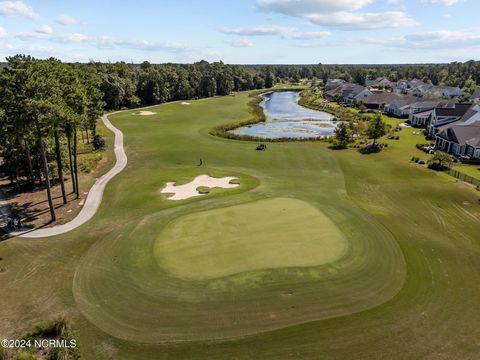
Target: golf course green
<point x="265" y="234"/>
<point x="317" y="254"/>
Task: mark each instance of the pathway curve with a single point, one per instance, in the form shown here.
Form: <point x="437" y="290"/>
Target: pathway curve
<point x="94" y="198"/>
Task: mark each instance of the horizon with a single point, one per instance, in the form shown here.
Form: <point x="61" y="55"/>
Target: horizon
<point x="255" y="32"/>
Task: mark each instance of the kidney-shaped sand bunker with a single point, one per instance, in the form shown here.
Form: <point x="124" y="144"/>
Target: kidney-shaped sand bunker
<point x="186" y="191"/>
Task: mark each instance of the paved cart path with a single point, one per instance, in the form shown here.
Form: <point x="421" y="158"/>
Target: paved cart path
<point x="94" y="197"/>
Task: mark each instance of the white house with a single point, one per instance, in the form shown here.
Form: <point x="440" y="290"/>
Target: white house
<point x="421" y="119"/>
<point x="444" y="116"/>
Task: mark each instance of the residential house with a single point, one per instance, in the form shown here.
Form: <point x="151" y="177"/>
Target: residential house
<point x="444" y="116"/>
<point x="445" y="91"/>
<point x="362" y="95"/>
<point x="333" y="84"/>
<point x="419" y="91"/>
<point x="378" y="101"/>
<point x="379" y="83"/>
<point x="421" y="119"/>
<point x="400" y="107"/>
<point x="347" y="93"/>
<point x="406" y="86"/>
<point x="420" y="88"/>
<point x="459" y="140"/>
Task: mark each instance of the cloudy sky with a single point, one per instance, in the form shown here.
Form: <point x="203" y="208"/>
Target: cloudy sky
<point x="243" y="31"/>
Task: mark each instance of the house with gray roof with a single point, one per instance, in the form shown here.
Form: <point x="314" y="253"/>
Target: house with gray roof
<point x="445" y="91"/>
<point x="461" y="138"/>
<point x="379" y="83"/>
<point x="406" y="106"/>
<point x="445" y="116"/>
<point x="400" y="107"/>
<point x="333" y="84"/>
<point x="378" y="101"/>
<point x="348" y="93"/>
<point x="406" y="86"/>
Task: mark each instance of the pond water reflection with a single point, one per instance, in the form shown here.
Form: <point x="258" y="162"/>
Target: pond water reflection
<point x="285" y="118"/>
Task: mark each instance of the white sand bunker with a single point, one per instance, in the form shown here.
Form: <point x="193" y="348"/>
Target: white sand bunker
<point x="146" y="113"/>
<point x="186" y="191"/>
<point x="185" y="103"/>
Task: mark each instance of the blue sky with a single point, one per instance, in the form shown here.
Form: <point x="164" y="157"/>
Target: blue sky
<point x="243" y="32"/>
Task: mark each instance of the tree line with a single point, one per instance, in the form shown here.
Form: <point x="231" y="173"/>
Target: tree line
<point x="131" y="85"/>
<point x="44" y="104"/>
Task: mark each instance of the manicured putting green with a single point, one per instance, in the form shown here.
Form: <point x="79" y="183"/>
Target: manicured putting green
<point x="265" y="234"/>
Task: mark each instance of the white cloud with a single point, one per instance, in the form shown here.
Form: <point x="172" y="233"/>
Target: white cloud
<point x="76" y="38"/>
<point x="17" y="8"/>
<point x="260" y="30"/>
<point x="67" y="20"/>
<point x="310" y="35"/>
<point x="44" y="29"/>
<point x="307" y="7"/>
<point x="441" y="40"/>
<point x="363" y="21"/>
<point x="3" y="33"/>
<point x="444" y="38"/>
<point x="274" y="30"/>
<point x="441" y="2"/>
<point x="28" y="36"/>
<point x="340" y="14"/>
<point x="239" y="43"/>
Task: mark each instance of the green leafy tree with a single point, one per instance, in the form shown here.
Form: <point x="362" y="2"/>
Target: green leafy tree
<point x="440" y="161"/>
<point x="342" y="135"/>
<point x="376" y="128"/>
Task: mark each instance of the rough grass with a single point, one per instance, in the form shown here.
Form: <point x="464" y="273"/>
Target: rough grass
<point x="404" y="290"/>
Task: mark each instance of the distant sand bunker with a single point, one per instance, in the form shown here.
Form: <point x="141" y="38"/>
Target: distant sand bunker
<point x="185" y="103"/>
<point x="186" y="191"/>
<point x="146" y="113"/>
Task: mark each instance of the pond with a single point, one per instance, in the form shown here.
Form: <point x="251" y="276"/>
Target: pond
<point x="285" y="118"/>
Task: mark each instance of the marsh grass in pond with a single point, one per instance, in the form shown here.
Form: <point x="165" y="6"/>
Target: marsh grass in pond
<point x="285" y="118"/>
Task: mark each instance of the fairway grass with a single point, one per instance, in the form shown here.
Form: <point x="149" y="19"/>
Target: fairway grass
<point x="402" y="287"/>
<point x="274" y="233"/>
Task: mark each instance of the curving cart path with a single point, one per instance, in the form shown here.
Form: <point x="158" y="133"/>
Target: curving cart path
<point x="94" y="198"/>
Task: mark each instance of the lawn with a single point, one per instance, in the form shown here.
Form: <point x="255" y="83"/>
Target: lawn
<point x="317" y="254"/>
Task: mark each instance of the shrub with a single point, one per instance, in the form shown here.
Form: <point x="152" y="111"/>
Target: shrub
<point x="440" y="161"/>
<point x="89" y="162"/>
<point x="98" y="142"/>
<point x="372" y="148"/>
<point x="55" y="328"/>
